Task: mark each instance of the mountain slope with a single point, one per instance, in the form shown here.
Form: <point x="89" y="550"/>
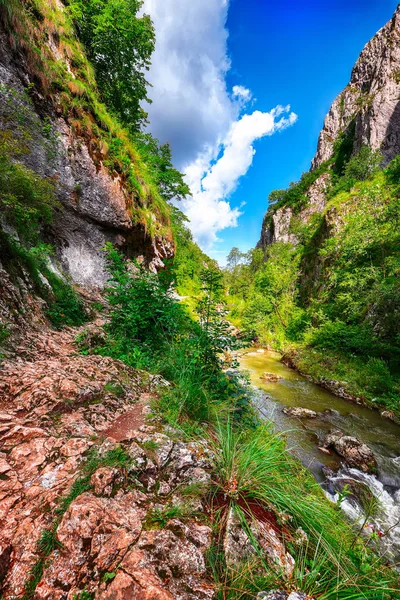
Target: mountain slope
<point x="49" y="102"/>
<point x="334" y="238"/>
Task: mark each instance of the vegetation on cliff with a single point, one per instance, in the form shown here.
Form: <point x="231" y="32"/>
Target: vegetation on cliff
<point x="332" y="300"/>
<point x="253" y="479"/>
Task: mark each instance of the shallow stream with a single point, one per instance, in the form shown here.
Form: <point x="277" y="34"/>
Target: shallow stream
<point x="305" y="436"/>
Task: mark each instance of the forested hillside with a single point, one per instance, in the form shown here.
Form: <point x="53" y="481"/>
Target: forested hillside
<point x="323" y="285"/>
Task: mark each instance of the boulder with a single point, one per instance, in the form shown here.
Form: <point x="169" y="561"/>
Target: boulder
<point x="355" y="453"/>
<point x="281" y="595"/>
<point x="270" y="377"/>
<point x="300" y="413"/>
<point x="238" y="546"/>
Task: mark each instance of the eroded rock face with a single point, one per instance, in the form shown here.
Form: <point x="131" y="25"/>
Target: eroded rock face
<point x="58" y="410"/>
<point x="239" y="547"/>
<point x="355" y="453"/>
<point x="371" y="98"/>
<point x="276" y="225"/>
<point x="94" y="205"/>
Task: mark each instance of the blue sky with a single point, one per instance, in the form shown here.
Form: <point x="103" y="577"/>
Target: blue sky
<point x="297" y="53"/>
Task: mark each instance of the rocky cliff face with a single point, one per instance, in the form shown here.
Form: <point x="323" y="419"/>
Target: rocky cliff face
<point x="95" y="206"/>
<point x="371" y="99"/>
<point x="368" y="111"/>
<point x="278" y="224"/>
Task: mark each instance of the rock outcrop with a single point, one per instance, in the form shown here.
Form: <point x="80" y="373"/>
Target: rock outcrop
<point x="278" y="224"/>
<point x="84" y="482"/>
<point x="370" y="100"/>
<point x="367" y="111"/>
<point x="355" y="453"/>
<point x="95" y="206"/>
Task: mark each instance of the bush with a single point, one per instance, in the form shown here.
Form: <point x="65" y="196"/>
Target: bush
<point x="65" y="308"/>
<point x="363" y="165"/>
<point x="337" y="335"/>
<point x="393" y="170"/>
<point x="376" y="377"/>
<point x="149" y="329"/>
<point x="144" y="315"/>
<point x="26" y="199"/>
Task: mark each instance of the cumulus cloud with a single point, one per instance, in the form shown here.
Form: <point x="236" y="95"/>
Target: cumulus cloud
<point x="211" y="139"/>
<point x="212" y="182"/>
<point x="191" y="107"/>
<point x="241" y="93"/>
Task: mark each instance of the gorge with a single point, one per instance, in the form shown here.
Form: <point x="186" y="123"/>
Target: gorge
<point x="136" y="461"/>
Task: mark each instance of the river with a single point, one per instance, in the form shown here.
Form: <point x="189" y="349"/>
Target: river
<point x="305" y="435"/>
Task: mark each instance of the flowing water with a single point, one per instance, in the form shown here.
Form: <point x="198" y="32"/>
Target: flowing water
<point x="305" y="436"/>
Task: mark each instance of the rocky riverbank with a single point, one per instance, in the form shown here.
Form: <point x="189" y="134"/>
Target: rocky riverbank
<point x="100" y="499"/>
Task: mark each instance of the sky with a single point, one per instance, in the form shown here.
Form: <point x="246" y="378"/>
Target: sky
<point x="240" y="89"/>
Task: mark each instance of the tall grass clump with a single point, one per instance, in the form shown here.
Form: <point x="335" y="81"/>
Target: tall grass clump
<point x="254" y="474"/>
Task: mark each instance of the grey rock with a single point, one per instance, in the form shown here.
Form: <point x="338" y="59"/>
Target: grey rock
<point x="299" y="412"/>
<point x="371" y="98"/>
<point x="94" y="205"/>
<point x="272" y="595"/>
<point x="238" y="547"/>
<point x="355" y="453"/>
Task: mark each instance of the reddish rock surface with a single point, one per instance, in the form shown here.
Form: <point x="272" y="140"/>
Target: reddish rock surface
<point x="58" y="408"/>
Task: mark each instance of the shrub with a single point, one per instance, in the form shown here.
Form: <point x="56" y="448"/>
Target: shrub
<point x="363" y="165"/>
<point x="337" y="335"/>
<point x="393" y="170"/>
<point x="65" y="308"/>
<point x="26" y="199"/>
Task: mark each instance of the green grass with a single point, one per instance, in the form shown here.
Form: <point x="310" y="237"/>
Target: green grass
<point x="157" y="518"/>
<point x="369" y="379"/>
<point x="334" y="564"/>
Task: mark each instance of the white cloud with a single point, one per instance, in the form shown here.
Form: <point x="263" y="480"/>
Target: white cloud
<point x="191" y="107"/>
<point x="241" y="93"/>
<point x="193" y="110"/>
<point x="212" y="182"/>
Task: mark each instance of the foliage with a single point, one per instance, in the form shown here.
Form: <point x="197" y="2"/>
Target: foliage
<point x="169" y="180"/>
<point x="253" y="476"/>
<point x="144" y="315"/>
<point x="363" y="165"/>
<point x="393" y="170"/>
<point x="189" y="260"/>
<point x="119" y="43"/>
<point x="336" y="295"/>
<point x="27" y="200"/>
<point x="343" y="148"/>
<point x="65" y="308"/>
<point x="157" y="518"/>
<point x="149" y="329"/>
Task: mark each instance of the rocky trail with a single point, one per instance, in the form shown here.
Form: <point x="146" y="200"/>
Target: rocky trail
<point x="57" y="408"/>
<point x="95" y="495"/>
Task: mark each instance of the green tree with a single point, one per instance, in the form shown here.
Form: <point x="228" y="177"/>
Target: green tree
<point x="119" y="44"/>
<point x="234" y="258"/>
<point x="276" y="196"/>
<point x="169" y="180"/>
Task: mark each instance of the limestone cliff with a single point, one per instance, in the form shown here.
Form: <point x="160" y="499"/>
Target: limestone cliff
<point x="367" y="112"/>
<point x="68" y="143"/>
<point x="371" y="99"/>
